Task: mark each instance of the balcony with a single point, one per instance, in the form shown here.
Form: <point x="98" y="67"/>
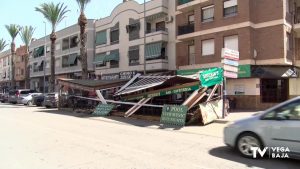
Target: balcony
<point x="186" y="29"/>
<point x="187" y="5"/>
<point x="165" y="30"/>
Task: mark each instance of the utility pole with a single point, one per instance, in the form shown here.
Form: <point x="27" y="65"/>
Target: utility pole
<point x="145" y="24"/>
<point x="45" y="53"/>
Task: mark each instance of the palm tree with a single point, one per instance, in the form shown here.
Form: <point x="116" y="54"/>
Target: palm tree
<point x="26" y="36"/>
<point x="82" y="21"/>
<point x="13" y="31"/>
<point x="2" y="44"/>
<point x="54" y="14"/>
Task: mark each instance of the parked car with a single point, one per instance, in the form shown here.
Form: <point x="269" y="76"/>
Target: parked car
<point x="51" y="100"/>
<point x="4" y="98"/>
<point x="38" y="100"/>
<point x="28" y="99"/>
<point x="16" y="96"/>
<point x="278" y="126"/>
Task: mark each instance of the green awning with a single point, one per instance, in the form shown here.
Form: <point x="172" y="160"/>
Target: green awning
<point x="100" y="58"/>
<point x="72" y="58"/>
<point x="114" y="55"/>
<point x="101" y="37"/>
<point x="153" y="50"/>
<point x="39" y="51"/>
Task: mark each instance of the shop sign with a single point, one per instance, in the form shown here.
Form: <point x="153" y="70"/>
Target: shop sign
<point x="114" y="76"/>
<point x="165" y="92"/>
<point x="230" y="74"/>
<point x="174" y="115"/>
<point x="211" y="77"/>
<point x="127" y="75"/>
<point x="231" y="62"/>
<point x="244" y="71"/>
<point x="230" y="54"/>
<point x="103" y="109"/>
<point x="231" y="68"/>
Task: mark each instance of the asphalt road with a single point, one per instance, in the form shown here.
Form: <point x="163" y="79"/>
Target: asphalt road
<point x="38" y="138"/>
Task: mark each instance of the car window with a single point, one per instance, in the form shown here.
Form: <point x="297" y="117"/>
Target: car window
<point x="290" y="111"/>
<point x="25" y="92"/>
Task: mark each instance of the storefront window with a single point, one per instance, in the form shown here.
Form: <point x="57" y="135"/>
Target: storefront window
<point x="274" y="90"/>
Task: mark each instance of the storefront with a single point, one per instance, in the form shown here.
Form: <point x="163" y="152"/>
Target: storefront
<point x="260" y="87"/>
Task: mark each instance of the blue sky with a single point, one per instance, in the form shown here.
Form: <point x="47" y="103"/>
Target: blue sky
<point x="23" y="12"/>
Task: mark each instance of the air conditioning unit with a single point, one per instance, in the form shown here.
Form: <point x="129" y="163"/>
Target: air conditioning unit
<point x="169" y="19"/>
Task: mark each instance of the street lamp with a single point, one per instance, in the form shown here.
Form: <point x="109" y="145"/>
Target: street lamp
<point x="145" y="24"/>
<point x="45" y="53"/>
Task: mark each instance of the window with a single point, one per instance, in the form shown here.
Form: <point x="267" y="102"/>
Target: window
<point x="101" y="38"/>
<point x="289" y="42"/>
<point x="38" y="52"/>
<point x="100" y="60"/>
<point x="192" y="60"/>
<point x="57" y="46"/>
<point x="232" y="42"/>
<point x="74" y="41"/>
<point x="208" y="13"/>
<point x="149" y="29"/>
<point x="35" y="67"/>
<point x="191" y="19"/>
<point x="156" y="51"/>
<point x="70" y="60"/>
<point x="113" y="58"/>
<point x="230" y="8"/>
<point x="274" y="90"/>
<point x="65" y="61"/>
<point x="134" y="55"/>
<point x="208" y="47"/>
<point x="22" y="72"/>
<point x="114" y="36"/>
<point x="133" y="29"/>
<point x="161" y="26"/>
<point x="65" y="43"/>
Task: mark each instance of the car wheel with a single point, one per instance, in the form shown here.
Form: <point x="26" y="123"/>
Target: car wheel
<point x="29" y="103"/>
<point x="245" y="142"/>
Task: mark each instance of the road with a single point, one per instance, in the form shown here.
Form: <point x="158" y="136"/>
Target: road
<point x="38" y="138"/>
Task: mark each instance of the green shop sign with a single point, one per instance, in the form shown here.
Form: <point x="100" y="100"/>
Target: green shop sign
<point x="174" y="115"/>
<point x="103" y="109"/>
<point x="244" y="71"/>
<point x="164" y="92"/>
<point x="211" y="77"/>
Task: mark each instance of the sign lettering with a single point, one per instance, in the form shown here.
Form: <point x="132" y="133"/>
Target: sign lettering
<point x="174" y="115"/>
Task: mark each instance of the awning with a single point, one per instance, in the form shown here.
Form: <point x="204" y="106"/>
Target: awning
<point x="153" y="50"/>
<point x="72" y="58"/>
<point x="114" y="55"/>
<point x="100" y="59"/>
<point x="274" y="72"/>
<point x="144" y="83"/>
<point x="39" y="51"/>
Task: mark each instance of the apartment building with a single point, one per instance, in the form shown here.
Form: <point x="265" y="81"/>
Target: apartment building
<point x="5" y="70"/>
<point x="20" y="67"/>
<point x="67" y="50"/>
<point x="120" y="39"/>
<point x="263" y="31"/>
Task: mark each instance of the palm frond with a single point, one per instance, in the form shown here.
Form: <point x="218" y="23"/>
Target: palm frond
<point x="27" y="34"/>
<point x="82" y="4"/>
<point x="3" y="44"/>
<point x="13" y="30"/>
<point x="54" y="13"/>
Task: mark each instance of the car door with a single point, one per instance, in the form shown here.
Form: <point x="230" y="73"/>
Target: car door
<point x="285" y="127"/>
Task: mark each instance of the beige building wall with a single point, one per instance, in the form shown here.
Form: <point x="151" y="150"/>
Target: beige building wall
<point x="131" y="9"/>
<point x="244" y="86"/>
<point x="294" y="87"/>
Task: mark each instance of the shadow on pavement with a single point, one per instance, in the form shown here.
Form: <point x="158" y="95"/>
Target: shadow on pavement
<point x="228" y="153"/>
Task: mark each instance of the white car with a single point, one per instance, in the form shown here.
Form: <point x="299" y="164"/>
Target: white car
<point x="27" y="100"/>
<point x="278" y="126"/>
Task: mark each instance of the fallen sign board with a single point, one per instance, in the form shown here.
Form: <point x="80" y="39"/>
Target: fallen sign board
<point x="174" y="115"/>
<point x="103" y="109"/>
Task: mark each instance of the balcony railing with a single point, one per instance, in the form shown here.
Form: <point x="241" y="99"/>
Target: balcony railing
<point x="157" y="30"/>
<point x="181" y="2"/>
<point x="185" y="29"/>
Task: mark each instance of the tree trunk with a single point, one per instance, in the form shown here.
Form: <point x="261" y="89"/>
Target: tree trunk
<point x="13" y="82"/>
<point x="82" y="22"/>
<point x="27" y="70"/>
<point x="52" y="63"/>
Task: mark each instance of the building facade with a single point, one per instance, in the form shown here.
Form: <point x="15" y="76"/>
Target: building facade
<point x="264" y="33"/>
<point x="67" y="50"/>
<point x="20" y="67"/>
<point x="5" y="70"/>
<point x="120" y="40"/>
